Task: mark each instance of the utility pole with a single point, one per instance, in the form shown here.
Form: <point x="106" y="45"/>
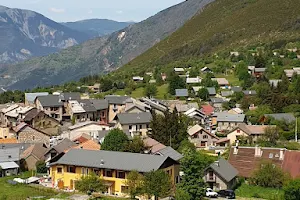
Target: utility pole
<point x="296" y="130"/>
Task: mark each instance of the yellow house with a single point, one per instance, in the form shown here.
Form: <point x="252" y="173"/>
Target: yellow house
<point x="113" y="167"/>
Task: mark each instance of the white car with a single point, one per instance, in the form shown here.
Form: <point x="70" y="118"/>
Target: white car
<point x="210" y="193"/>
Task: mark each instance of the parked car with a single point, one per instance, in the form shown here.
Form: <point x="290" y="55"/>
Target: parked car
<point x="228" y="194"/>
<point x="210" y="193"/>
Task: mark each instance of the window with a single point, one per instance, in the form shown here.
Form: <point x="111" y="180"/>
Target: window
<point x="130" y="127"/>
<point x="169" y="172"/>
<point x="141" y="126"/>
<point x="33" y="138"/>
<point x="205" y="136"/>
<point x="59" y="170"/>
<point x="97" y="172"/>
<point x="71" y="169"/>
<point x="238" y="131"/>
<point x="85" y="171"/>
<point x="107" y="173"/>
<point x="121" y="174"/>
<point x="147" y="126"/>
<point x="177" y="179"/>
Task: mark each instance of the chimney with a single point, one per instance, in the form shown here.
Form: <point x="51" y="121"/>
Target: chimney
<point x="235" y="150"/>
<point x="258" y="151"/>
<point x="281" y="156"/>
<point x="102" y="162"/>
<point x="217" y="163"/>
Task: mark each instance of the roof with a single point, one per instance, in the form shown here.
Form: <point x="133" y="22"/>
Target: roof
<point x="253" y="129"/>
<point x="236" y="89"/>
<point x="37" y="150"/>
<point x="193" y="80"/>
<point x="50" y="101"/>
<point x="30" y="97"/>
<point x="141" y="108"/>
<point x="20" y="110"/>
<point x="211" y="90"/>
<point x="23" y="125"/>
<point x="8" y="165"/>
<point x="9" y="108"/>
<point x="246" y="162"/>
<point x="154" y="104"/>
<point x="221" y="81"/>
<point x="182" y="107"/>
<point x="62" y="146"/>
<point x="224" y="169"/>
<point x="99" y="104"/>
<point x="217" y="100"/>
<point x="226" y="93"/>
<point x="112" y="160"/>
<point x="274" y="82"/>
<point x="223" y="140"/>
<point x="260" y="69"/>
<point x="115" y="99"/>
<point x="249" y="92"/>
<point x="181" y="93"/>
<point x="197" y="88"/>
<point x="134" y="118"/>
<point x="207" y="109"/>
<point x="196" y="128"/>
<point x="70" y="96"/>
<point x="8" y="141"/>
<point x="205" y="69"/>
<point x="76" y="107"/>
<point x="288" y="117"/>
<point x="88" y="145"/>
<point x="170" y="152"/>
<point x="83" y="124"/>
<point x="87" y="105"/>
<point x="178" y="69"/>
<point x="154" y="145"/>
<point x="8" y="155"/>
<point x="291" y="163"/>
<point x="226" y="117"/>
<point x="31" y="114"/>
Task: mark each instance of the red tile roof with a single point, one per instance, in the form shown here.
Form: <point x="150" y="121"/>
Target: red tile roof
<point x="291" y="163"/>
<point x="207" y="109"/>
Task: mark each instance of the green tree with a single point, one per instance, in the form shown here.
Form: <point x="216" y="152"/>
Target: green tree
<point x="41" y="167"/>
<point x="134" y="181"/>
<point x="157" y="184"/>
<point x="182" y="195"/>
<point x="269" y="175"/>
<point x="175" y="82"/>
<point x="270" y="137"/>
<point x="292" y="190"/>
<point x="203" y="94"/>
<point x="150" y="90"/>
<point x="90" y="183"/>
<point x="193" y="165"/>
<point x="116" y="140"/>
<point x="136" y="145"/>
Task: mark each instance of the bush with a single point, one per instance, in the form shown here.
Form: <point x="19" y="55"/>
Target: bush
<point x="41" y="167"/>
<point x="292" y="190"/>
<point x="89" y="184"/>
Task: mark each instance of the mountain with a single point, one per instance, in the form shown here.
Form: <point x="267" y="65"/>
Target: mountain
<point x="25" y="34"/>
<point x="97" y="27"/>
<point x="224" y="25"/>
<point x="100" y="55"/>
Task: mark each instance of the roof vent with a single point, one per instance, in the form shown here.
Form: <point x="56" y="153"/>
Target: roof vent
<point x="102" y="162"/>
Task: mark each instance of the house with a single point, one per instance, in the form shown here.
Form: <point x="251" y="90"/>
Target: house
<point x="58" y="149"/>
<point x="6" y="133"/>
<point x="181" y="93"/>
<point x="179" y="70"/>
<point x="252" y="132"/>
<point x="34" y="154"/>
<point x="87" y="145"/>
<point x="52" y="105"/>
<point x="90" y="128"/>
<point x="206" y="70"/>
<point x="30" y="97"/>
<point x="236" y="111"/>
<point x="226" y="93"/>
<point x="155" y="105"/>
<point x="116" y="105"/>
<point x="289" y="73"/>
<point x="102" y="109"/>
<point x="112" y="167"/>
<point x="236" y="89"/>
<point x="211" y="91"/>
<point x="201" y="138"/>
<point x="287" y="117"/>
<point x="217" y="102"/>
<point x="9" y="161"/>
<point x="163" y="76"/>
<point x="193" y="80"/>
<point x="40" y="120"/>
<point x="208" y="110"/>
<point x="234" y="53"/>
<point x="258" y="72"/>
<point x="249" y="92"/>
<point x="222" y="82"/>
<point x="170" y="152"/>
<point x="153" y="145"/>
<point x="196" y="114"/>
<point x="133" y="106"/>
<point x="15" y="115"/>
<point x="137" y="78"/>
<point x="274" y="82"/>
<point x="95" y="88"/>
<point x="221" y="175"/>
<point x="248" y="159"/>
<point x="134" y="123"/>
<point x="226" y="121"/>
<point x="27" y="134"/>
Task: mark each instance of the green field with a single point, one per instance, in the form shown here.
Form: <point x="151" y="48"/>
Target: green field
<point x="232" y="79"/>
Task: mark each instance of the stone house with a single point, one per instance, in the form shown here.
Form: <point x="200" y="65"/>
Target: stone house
<point x="117" y="105"/>
<point x="52" y="105"/>
<point x="34" y="154"/>
<point x="9" y="161"/>
<point x="201" y="138"/>
<point x="220" y="175"/>
<point x="27" y="134"/>
<point x="227" y="122"/>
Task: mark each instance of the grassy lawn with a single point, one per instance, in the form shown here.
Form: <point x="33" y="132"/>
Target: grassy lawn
<point x="232" y="79"/>
<point x="249" y="191"/>
<point x="21" y="191"/>
<point x="161" y="91"/>
<point x="139" y="92"/>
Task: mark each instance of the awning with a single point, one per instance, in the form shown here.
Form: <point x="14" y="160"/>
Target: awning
<point x="8" y="165"/>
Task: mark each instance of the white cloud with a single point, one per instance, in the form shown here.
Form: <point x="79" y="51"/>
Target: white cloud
<point x="119" y="12"/>
<point x="57" y="10"/>
<point x="90" y="12"/>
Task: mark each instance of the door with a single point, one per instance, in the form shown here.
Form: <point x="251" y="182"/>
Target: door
<point x="71" y="184"/>
<point x="60" y="184"/>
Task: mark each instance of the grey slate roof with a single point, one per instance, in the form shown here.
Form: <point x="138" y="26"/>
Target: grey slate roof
<point x="249" y="92"/>
<point x="70" y="96"/>
<point x="87" y="105"/>
<point x="9" y="155"/>
<point x="134" y="118"/>
<point x="217" y="100"/>
<point x="274" y="82"/>
<point x="21" y="146"/>
<point x="115" y="99"/>
<point x="170" y="152"/>
<point x="227" y="117"/>
<point x="236" y="89"/>
<point x="62" y="146"/>
<point x="154" y="104"/>
<point x="224" y="169"/>
<point x="181" y="93"/>
<point x="211" y="90"/>
<point x="112" y="160"/>
<point x="226" y="93"/>
<point x="30" y="97"/>
<point x="260" y="69"/>
<point x="99" y="104"/>
<point x="288" y="117"/>
<point x="50" y="101"/>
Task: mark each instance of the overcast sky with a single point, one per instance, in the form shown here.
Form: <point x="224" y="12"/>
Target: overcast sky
<point x="68" y="10"/>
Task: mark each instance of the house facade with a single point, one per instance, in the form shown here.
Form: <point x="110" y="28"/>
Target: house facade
<point x="9" y="161"/>
<point x="112" y="167"/>
<point x="117" y="105"/>
<point x="90" y="128"/>
<point x="201" y="138"/>
<point x="52" y="105"/>
<point x="227" y="122"/>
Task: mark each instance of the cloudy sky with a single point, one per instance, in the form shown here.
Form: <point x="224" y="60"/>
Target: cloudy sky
<point x="68" y="10"/>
